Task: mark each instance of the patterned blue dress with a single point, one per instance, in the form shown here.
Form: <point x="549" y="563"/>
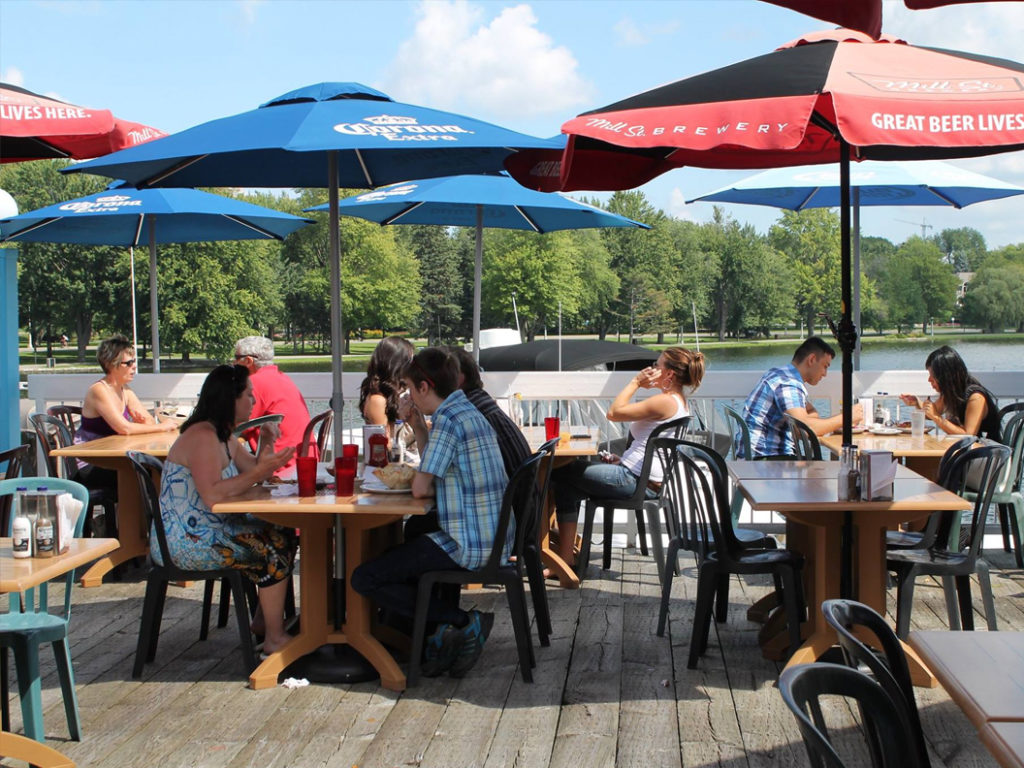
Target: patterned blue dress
<point x="200" y="540"/>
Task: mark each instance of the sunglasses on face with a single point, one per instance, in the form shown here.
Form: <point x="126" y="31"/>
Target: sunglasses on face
<point x="128" y="363"/>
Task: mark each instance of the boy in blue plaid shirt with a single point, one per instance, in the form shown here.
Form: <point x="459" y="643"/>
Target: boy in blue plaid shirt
<point x="783" y="390"/>
<point x="461" y="466"/>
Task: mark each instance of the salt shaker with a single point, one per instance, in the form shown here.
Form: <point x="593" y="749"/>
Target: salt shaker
<point x="849" y="474"/>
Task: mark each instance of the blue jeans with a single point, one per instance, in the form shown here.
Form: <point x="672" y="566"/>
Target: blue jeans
<point x="391" y="580"/>
<point x="581" y="479"/>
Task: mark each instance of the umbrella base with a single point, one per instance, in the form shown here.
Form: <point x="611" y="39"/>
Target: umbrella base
<point x="332" y="664"/>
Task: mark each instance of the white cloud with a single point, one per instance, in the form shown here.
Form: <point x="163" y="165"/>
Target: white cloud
<point x="994" y="29"/>
<point x="13" y="76"/>
<point x="629" y="33"/>
<point x="677" y="207"/>
<point x="504" y="68"/>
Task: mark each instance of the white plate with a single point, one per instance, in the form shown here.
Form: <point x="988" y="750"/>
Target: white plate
<point x="886" y="431"/>
<point x="384" y="489"/>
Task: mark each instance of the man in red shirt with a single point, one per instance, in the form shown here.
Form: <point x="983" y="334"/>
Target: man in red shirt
<point x="274" y="392"/>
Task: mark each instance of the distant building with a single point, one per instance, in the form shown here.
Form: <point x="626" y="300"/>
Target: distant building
<point x="961" y="290"/>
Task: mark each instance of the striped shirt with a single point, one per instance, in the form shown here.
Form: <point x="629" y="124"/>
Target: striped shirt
<point x="462" y="454"/>
<point x="779" y="390"/>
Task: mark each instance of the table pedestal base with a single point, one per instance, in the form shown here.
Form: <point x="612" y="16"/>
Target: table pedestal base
<point x="332" y="664"/>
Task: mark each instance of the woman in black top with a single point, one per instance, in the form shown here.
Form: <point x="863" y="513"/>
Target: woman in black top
<point x="964" y="406"/>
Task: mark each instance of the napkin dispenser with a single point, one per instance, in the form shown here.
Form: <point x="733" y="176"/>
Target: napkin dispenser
<point x="877" y="473"/>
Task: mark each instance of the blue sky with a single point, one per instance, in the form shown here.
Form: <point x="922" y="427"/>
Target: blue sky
<point x="529" y="66"/>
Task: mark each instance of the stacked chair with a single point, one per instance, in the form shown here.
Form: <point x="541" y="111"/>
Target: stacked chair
<point x="1008" y="495"/>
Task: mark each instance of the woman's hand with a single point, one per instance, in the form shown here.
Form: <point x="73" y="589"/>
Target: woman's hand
<point x="269" y="434"/>
<point x="267" y="463"/>
<point x="610" y="458"/>
<point x="648" y="378"/>
<point x="930" y="411"/>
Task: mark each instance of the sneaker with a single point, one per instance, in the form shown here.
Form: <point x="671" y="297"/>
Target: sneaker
<point x="473" y="636"/>
<point x="441" y="650"/>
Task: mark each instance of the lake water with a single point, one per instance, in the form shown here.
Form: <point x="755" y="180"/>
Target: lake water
<point x="980" y="354"/>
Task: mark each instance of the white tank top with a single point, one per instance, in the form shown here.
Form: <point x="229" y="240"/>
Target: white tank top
<point x="633" y="458"/>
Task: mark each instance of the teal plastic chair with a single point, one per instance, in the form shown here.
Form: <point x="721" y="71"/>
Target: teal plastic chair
<point x="30" y="624"/>
<point x="743" y="435"/>
<point x="1008" y="495"/>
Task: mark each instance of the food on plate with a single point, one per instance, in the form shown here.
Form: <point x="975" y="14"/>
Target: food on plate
<point x="275" y="480"/>
<point x="395" y="476"/>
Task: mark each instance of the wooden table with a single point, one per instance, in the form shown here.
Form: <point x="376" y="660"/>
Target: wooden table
<point x="983" y="672"/>
<point x="564" y="453"/>
<point x="19" y="575"/>
<point x="111" y="453"/>
<point x="315" y="517"/>
<point x="814" y="520"/>
<point x="921" y="454"/>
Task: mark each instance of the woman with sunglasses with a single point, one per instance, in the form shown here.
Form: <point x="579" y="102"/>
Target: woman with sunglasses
<point x="111" y="408"/>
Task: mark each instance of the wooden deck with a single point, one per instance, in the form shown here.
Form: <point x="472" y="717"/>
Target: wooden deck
<point x="608" y="691"/>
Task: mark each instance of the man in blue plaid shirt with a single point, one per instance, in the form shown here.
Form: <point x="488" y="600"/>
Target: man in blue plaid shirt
<point x="783" y="390"/>
<point x="462" y="467"/>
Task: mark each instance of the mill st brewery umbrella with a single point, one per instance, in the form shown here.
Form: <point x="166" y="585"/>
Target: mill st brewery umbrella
<point x="125" y="216"/>
<point x="477" y="201"/>
<point x="325" y="135"/>
<point x="872" y="183"/>
<point x="819" y="99"/>
<point x="35" y="127"/>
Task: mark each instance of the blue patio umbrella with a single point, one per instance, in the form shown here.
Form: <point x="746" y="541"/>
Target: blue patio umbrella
<point x="476" y="201"/>
<point x="924" y="182"/>
<point x="122" y="215"/>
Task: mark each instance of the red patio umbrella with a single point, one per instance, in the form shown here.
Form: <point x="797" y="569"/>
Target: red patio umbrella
<point x="863" y="15"/>
<point x="35" y="127"/>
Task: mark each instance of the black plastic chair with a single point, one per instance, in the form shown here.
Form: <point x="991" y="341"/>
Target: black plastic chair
<point x="944" y="558"/>
<point x="1006" y="410"/>
<point x="52" y="434"/>
<point x="634" y="503"/>
<point x="807" y="445"/>
<point x="322" y="423"/>
<point x="13" y="458"/>
<point x="1007" y="496"/>
<point x="159" y="576"/>
<point x="531" y="546"/>
<point x="889" y="667"/>
<point x="519" y="500"/>
<point x="704" y="526"/>
<point x="886" y="725"/>
<point x="70" y="415"/>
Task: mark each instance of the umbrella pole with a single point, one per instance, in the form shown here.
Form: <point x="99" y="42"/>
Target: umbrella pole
<point x="478" y="269"/>
<point x="154" y="309"/>
<point x="135" y="323"/>
<point x="856" y="275"/>
<point x="337" y="357"/>
<point x="847" y="338"/>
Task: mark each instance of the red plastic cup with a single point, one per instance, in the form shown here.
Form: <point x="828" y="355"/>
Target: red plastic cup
<point x="305" y="470"/>
<point x="552" y="426"/>
<point x="350" y="450"/>
<point x="344" y="481"/>
<point x="345" y="464"/>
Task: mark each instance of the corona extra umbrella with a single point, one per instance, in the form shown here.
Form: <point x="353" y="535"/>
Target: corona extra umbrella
<point x="35" y="127"/>
<point x="125" y="216"/>
<point x="477" y="201"/>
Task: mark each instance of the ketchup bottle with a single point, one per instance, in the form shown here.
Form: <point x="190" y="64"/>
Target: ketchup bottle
<point x="378" y="450"/>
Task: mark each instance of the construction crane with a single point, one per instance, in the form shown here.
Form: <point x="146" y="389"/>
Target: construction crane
<point x="923" y="224"/>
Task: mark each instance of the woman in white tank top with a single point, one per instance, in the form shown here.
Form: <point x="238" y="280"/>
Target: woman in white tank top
<point x="677" y="369"/>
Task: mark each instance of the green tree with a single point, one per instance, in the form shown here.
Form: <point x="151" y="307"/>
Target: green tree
<point x="811" y="239"/>
<point x="964" y="248"/>
<point x="875" y="254"/>
<point x="61" y="287"/>
<point x="601" y="284"/>
<point x="995" y="295"/>
<point x="544" y="271"/>
<point x="919" y="285"/>
<point x="441" y="279"/>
